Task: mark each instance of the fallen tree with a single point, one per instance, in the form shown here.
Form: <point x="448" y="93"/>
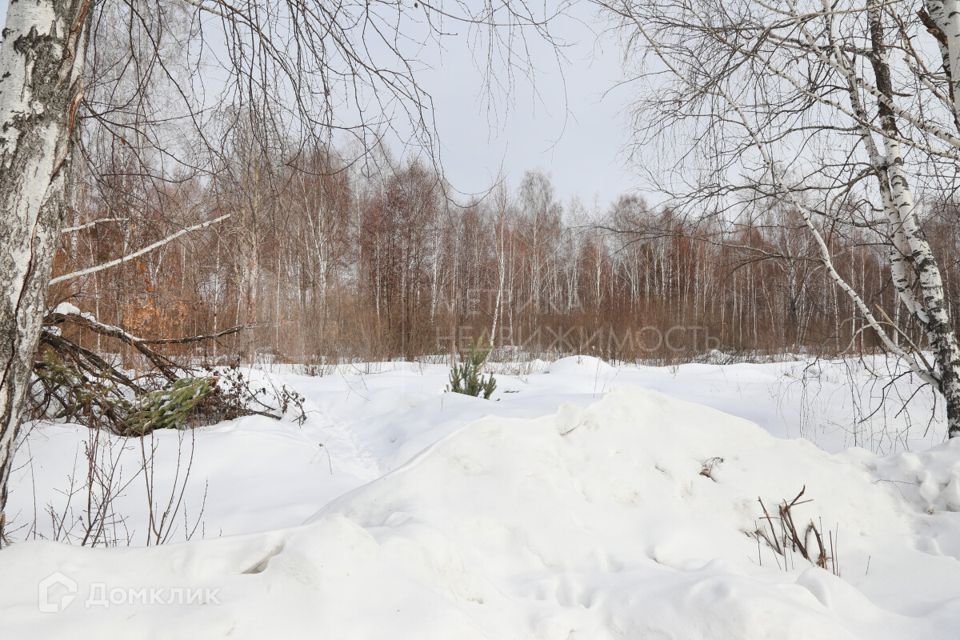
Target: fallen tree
<point x="74" y="383"/>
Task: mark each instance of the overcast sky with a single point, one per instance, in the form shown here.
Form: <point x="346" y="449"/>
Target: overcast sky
<point x="570" y="124"/>
<point x="574" y="127"/>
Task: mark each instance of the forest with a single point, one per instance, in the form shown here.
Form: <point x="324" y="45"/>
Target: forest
<point x="383" y="262"/>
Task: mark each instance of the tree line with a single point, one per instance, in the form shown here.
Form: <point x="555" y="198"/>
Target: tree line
<point x="380" y="261"/>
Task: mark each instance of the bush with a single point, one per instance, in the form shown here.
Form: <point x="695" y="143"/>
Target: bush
<point x="467" y="377"/>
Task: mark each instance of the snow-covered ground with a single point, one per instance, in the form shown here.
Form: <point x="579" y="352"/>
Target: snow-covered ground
<point x="574" y="505"/>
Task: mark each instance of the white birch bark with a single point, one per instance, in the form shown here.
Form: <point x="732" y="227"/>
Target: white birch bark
<point x="41" y="59"/>
<point x="930" y="306"/>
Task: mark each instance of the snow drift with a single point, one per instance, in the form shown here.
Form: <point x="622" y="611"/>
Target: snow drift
<point x="594" y="522"/>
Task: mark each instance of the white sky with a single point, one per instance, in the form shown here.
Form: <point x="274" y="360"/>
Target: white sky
<point x="566" y="127"/>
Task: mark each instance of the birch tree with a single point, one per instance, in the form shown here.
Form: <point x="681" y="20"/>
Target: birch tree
<point x="846" y="112"/>
<point x="41" y="61"/>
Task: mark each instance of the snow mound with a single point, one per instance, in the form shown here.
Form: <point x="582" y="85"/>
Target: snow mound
<point x="628" y="518"/>
<point x="581" y="365"/>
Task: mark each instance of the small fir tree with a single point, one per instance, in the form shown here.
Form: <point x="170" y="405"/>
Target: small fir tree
<point x="468" y="377"/>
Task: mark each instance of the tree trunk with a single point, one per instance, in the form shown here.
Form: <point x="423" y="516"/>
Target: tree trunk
<point x="40" y="62"/>
<point x="929" y="307"/>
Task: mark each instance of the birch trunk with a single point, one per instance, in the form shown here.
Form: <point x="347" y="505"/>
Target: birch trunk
<point x="40" y="62"/>
<point x="910" y="248"/>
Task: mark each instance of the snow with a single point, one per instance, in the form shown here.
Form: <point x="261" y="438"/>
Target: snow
<point x="571" y="506"/>
<point x="69" y="309"/>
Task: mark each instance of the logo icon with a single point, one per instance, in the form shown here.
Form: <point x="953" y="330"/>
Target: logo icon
<point x="56" y="592"/>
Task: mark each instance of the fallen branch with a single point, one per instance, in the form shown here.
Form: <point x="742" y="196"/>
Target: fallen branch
<point x="193" y="339"/>
<point x="72" y="382"/>
<point x="163" y="364"/>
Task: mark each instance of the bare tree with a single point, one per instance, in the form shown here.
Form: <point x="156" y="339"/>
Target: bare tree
<point x="844" y="112"/>
<point x="313" y="70"/>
